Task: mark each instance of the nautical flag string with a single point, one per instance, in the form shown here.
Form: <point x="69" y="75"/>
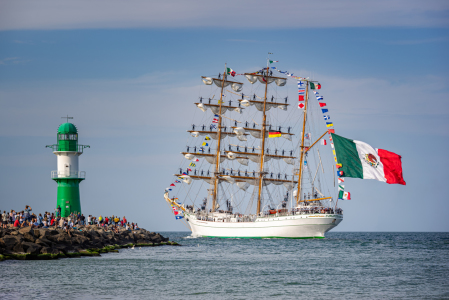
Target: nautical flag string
<point x="301" y="92"/>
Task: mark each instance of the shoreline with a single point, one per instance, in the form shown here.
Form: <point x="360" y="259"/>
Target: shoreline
<point x="49" y="243"/>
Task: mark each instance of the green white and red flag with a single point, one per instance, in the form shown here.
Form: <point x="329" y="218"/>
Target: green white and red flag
<point x="273" y="61"/>
<point x="230" y="71"/>
<point x="360" y="160"/>
<point x="344" y="195"/>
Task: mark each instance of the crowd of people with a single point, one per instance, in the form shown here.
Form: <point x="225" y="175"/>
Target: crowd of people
<point x="26" y="218"/>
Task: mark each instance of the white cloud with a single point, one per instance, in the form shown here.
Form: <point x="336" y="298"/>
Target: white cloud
<point x="55" y="14"/>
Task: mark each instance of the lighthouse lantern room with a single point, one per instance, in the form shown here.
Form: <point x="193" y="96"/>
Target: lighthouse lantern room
<point x="68" y="175"/>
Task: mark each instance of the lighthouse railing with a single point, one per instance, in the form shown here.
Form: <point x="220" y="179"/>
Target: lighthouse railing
<point x="56" y="148"/>
<point x="68" y="174"/>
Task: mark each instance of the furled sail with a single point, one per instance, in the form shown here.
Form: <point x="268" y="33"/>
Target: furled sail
<point x="252" y="78"/>
<point x="215" y="108"/>
<point x="259" y="105"/>
<point x="212" y="134"/>
<point x="236" y="86"/>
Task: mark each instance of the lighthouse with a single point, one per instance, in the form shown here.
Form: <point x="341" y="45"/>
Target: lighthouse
<point x="68" y="176"/>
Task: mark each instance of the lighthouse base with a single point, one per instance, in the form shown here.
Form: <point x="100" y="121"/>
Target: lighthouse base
<point x="68" y="195"/>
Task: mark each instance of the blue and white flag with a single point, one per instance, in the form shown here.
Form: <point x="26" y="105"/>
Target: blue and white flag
<point x="214" y="126"/>
<point x="319" y="98"/>
<point x="326" y="117"/>
<point x="300" y="83"/>
<point x="179" y="217"/>
<point x="301" y="92"/>
<point x="316" y="93"/>
<point x="216" y="116"/>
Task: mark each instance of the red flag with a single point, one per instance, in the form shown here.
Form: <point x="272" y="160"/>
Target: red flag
<point x="172" y="184"/>
<point x="300" y="105"/>
<point x="300" y="97"/>
<point x="331" y="131"/>
<point x="318" y="86"/>
<point x="322" y="104"/>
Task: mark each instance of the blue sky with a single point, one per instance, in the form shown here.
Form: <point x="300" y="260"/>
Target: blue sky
<point x="129" y="74"/>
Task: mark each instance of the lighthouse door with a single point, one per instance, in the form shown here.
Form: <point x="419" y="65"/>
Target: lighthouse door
<point x="67" y="170"/>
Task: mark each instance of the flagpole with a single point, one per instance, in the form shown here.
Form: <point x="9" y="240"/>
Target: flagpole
<point x="217" y="165"/>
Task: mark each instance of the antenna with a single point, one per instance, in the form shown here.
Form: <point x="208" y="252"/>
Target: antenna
<point x="67" y="118"/>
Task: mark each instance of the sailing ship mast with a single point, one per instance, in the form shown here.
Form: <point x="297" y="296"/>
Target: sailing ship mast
<point x="298" y="195"/>
<point x="217" y="164"/>
<point x="263" y="130"/>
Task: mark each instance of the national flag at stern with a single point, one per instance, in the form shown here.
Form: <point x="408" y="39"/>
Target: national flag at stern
<point x="274" y="134"/>
<point x="360" y="160"/>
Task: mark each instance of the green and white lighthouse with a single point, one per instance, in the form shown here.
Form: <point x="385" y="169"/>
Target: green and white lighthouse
<point x="68" y="175"/>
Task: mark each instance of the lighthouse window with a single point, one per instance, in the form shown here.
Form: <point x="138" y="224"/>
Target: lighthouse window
<point x="71" y="137"/>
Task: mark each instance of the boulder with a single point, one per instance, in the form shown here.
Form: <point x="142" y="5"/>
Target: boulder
<point x="42" y="232"/>
<point x="79" y="240"/>
<point x="18" y="248"/>
<point x="11" y="240"/>
<point x="31" y="248"/>
<point x="46" y="250"/>
<point x="61" y="248"/>
<point x="43" y="242"/>
<point x="25" y="230"/>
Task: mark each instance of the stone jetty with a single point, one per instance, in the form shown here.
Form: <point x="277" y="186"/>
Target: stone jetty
<point x="51" y="243"/>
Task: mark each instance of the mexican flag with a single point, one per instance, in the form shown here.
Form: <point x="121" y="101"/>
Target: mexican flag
<point x="230" y="71"/>
<point x="360" y="160"/>
<point x="315" y="86"/>
<point x="344" y="195"/>
<point x="273" y="61"/>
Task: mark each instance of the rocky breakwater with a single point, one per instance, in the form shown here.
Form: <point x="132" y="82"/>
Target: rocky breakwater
<point x="51" y="243"/>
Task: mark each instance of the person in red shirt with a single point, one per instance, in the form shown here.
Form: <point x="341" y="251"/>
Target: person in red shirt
<point x="106" y="221"/>
<point x="124" y="220"/>
<point x="52" y="221"/>
<point x="16" y="223"/>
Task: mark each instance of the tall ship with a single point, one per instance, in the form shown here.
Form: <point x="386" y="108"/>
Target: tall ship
<point x="258" y="163"/>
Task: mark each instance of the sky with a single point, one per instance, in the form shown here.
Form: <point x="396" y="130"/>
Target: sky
<point x="129" y="72"/>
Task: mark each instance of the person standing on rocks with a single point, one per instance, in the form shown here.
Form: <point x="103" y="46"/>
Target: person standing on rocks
<point x="5" y="218"/>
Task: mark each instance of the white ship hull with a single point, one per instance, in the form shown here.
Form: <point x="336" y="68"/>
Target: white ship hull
<point x="291" y="226"/>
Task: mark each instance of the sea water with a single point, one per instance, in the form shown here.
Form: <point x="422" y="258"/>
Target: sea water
<point x="344" y="265"/>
